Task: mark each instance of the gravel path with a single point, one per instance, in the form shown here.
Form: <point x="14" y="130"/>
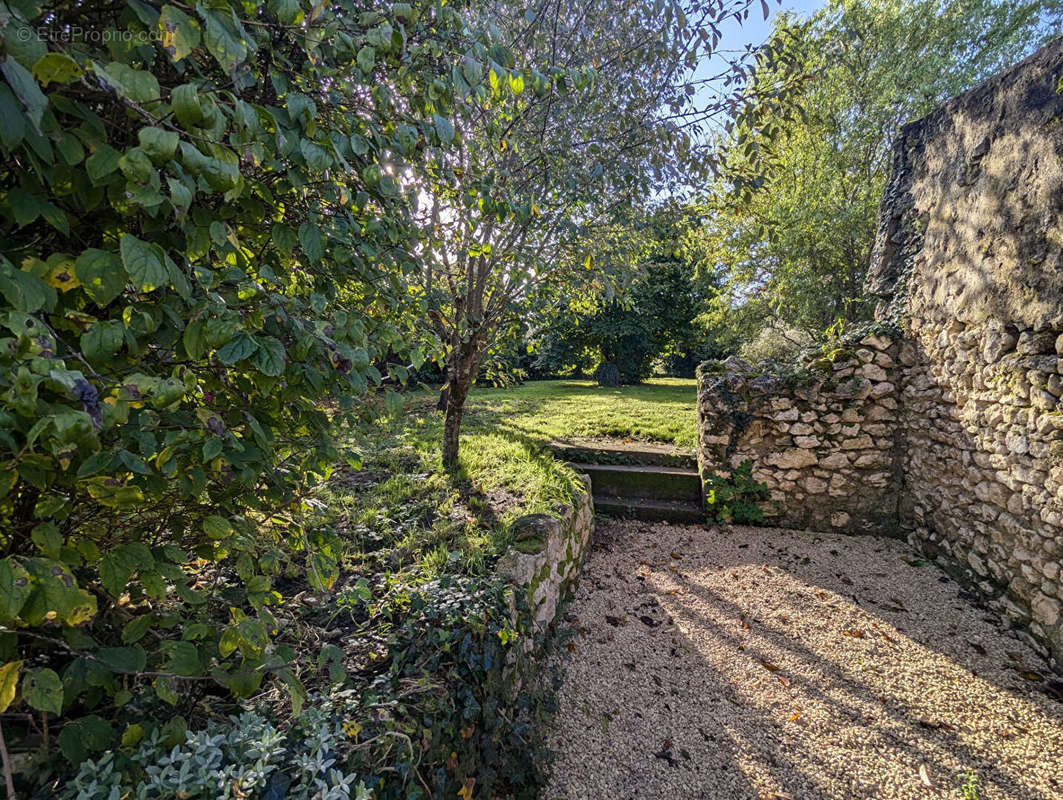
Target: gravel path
<point x="771" y="664"/>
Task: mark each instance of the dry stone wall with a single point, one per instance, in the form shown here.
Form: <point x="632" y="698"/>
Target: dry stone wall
<point x="546" y="556"/>
<point x="969" y="263"/>
<point x="821" y="437"/>
<point x="958" y="445"/>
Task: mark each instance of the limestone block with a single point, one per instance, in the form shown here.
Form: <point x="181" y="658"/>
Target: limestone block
<point x="873" y="372"/>
<point x="857" y="443"/>
<point x="793" y="458"/>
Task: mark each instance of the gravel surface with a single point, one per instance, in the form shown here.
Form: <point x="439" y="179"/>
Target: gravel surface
<point x="752" y="663"/>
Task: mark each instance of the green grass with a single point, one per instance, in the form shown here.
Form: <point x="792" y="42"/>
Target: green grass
<point x="660" y="410"/>
<point x="402" y="513"/>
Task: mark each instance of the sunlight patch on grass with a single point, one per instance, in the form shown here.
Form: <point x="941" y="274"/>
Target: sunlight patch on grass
<point x="403" y="513"/>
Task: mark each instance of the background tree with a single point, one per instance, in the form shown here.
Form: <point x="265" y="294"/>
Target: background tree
<point x="651" y="319"/>
<point x="545" y="159"/>
<point x="795" y="239"/>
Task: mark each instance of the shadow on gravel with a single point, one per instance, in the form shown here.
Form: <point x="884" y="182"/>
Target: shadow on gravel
<point x="773" y="664"/>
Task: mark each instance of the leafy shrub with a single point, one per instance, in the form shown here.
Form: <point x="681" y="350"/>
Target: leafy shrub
<point x="442" y="716"/>
<point x="197" y="226"/>
<point x="736" y="497"/>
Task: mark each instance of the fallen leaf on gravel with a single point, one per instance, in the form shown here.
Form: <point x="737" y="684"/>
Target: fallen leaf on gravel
<point x="925" y="777"/>
<point x="665" y="754"/>
<point x="571" y="647"/>
<point x="676" y="555"/>
<point x="934" y="724"/>
<point x="769" y="666"/>
<point x="795" y="716"/>
<point x="856" y="634"/>
<point x="1030" y="675"/>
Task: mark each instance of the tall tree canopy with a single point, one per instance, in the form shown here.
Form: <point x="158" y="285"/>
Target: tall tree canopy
<point x="543" y="159"/>
<point x="796" y="239"/>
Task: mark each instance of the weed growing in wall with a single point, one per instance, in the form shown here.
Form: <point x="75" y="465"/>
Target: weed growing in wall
<point x="736" y="497"/>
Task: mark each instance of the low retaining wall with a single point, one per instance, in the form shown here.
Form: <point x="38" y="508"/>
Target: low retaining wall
<point x="547" y="553"/>
<point x="822" y="437"/>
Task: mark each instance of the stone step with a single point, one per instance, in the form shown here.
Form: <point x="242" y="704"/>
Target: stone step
<point x="640" y="480"/>
<point x="619" y="451"/>
<point x="649" y="510"/>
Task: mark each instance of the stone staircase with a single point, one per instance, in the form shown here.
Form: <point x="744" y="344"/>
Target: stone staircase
<point x="638" y="480"/>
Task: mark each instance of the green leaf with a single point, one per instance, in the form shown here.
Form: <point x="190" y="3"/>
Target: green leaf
<point x="24" y="291"/>
<point x="43" y="690"/>
<point x="212" y="448"/>
<point x="114" y="575"/>
<point x="57" y="67"/>
<point x="166" y="688"/>
<point x="180" y="33"/>
<point x="26" y="89"/>
<point x="241" y="346"/>
<point x="222" y="38"/>
<point x="136" y="166"/>
<point x="143" y="262"/>
<point x="444" y="129"/>
<point x="123" y="659"/>
<point x="311" y="241"/>
<point x="83" y="736"/>
<point x="132" y="735"/>
<point x="182" y="658"/>
<point x="160" y="145"/>
<point x="15" y="589"/>
<point x="137" y="628"/>
<point x="269" y="358"/>
<point x="102" y="340"/>
<point x="102" y="163"/>
<point x="186" y="105"/>
<point x="193" y="339"/>
<point x="136" y="84"/>
<point x="217" y="527"/>
<point x="8" y="683"/>
<point x="287" y="11"/>
<point x="48" y="539"/>
<point x="366" y="59"/>
<point x="102" y="275"/>
<point x="472" y="71"/>
<point x="12" y="127"/>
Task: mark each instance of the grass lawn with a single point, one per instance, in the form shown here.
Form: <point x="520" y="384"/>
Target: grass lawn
<point x="660" y="410"/>
<point x="403" y="513"/>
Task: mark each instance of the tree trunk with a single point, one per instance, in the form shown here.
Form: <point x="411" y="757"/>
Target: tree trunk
<point x="459" y="390"/>
<point x="458" y="385"/>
